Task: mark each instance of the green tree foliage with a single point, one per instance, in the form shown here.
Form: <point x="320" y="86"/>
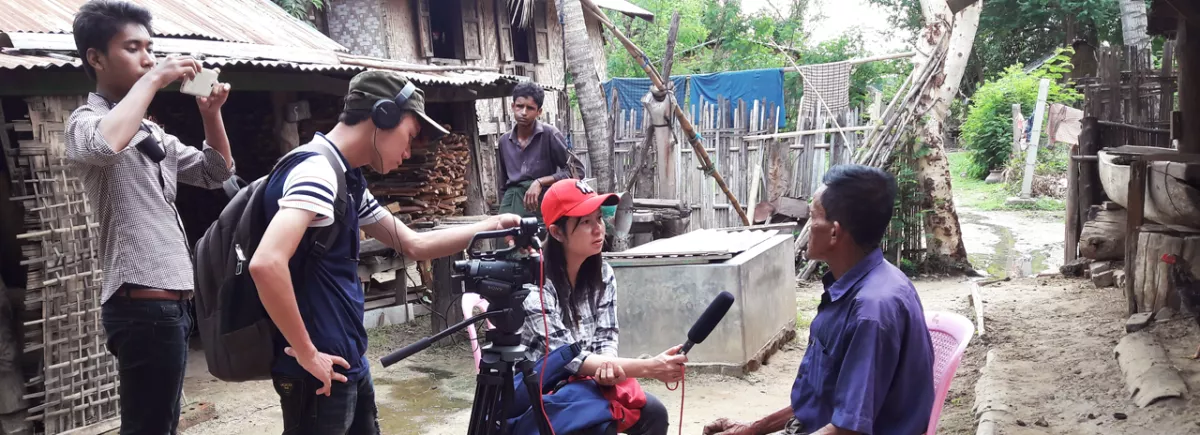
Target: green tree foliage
<point x="716" y="35"/>
<point x="300" y="8"/>
<point x="1022" y="31"/>
<point x="987" y="132"/>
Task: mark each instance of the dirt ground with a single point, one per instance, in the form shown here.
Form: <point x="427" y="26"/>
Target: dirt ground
<point x="1054" y="337"/>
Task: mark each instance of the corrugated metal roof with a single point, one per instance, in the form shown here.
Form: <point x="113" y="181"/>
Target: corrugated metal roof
<point x="25" y="61"/>
<point x="18" y="60"/>
<point x="456" y="78"/>
<point x="249" y="21"/>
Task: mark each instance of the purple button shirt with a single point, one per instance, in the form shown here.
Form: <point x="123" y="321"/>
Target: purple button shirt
<point x="869" y="363"/>
<point x="546" y="154"/>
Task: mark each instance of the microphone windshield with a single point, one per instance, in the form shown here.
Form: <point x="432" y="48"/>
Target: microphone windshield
<point x="711" y="317"/>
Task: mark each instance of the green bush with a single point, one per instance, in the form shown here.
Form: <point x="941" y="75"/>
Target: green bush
<point x="987" y="132"/>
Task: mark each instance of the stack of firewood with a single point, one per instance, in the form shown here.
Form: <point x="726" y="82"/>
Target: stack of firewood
<point x="430" y="184"/>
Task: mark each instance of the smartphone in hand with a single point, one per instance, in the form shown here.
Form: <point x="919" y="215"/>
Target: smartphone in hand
<point x="202" y="85"/>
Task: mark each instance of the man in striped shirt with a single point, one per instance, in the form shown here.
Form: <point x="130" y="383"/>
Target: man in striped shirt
<point x="318" y="310"/>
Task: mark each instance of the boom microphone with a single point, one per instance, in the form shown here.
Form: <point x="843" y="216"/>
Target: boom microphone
<point x="708" y="321"/>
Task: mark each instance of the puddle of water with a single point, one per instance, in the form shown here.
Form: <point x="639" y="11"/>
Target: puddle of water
<point x="436" y="373"/>
<point x="411" y="404"/>
<point x="1002" y="259"/>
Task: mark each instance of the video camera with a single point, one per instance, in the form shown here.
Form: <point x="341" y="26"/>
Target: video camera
<point x="501" y="276"/>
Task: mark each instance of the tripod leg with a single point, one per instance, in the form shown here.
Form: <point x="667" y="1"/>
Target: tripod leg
<point x="535" y="395"/>
<point x="488" y="390"/>
<point x="478" y="408"/>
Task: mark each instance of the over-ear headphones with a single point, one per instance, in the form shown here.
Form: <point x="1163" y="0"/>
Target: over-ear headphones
<point x="386" y="113"/>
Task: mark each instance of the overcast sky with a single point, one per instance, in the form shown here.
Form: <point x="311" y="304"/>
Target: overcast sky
<point x="837" y="17"/>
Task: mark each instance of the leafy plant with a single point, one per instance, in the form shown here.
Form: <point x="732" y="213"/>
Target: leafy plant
<point x="987" y="132"/>
<point x="300" y="8"/>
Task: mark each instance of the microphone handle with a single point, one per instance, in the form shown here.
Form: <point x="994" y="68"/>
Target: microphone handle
<point x="406" y="351"/>
<point x="686" y="347"/>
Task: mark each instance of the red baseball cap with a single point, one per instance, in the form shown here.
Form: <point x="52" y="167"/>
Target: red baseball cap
<point x="574" y="198"/>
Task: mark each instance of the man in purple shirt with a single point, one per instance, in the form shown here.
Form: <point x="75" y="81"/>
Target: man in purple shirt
<point x="532" y="156"/>
<point x="869" y="364"/>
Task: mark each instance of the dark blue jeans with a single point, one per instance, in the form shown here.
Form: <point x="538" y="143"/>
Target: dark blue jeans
<point x="150" y="340"/>
<point x="348" y="410"/>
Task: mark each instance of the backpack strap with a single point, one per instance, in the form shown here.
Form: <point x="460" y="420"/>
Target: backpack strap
<point x="325" y="237"/>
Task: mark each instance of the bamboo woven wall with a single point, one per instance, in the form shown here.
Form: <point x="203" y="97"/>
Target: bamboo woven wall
<point x="905" y="238"/>
<point x="76" y="385"/>
<point x="1131" y="89"/>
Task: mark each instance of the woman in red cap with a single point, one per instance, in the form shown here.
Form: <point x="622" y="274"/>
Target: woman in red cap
<point x="581" y="301"/>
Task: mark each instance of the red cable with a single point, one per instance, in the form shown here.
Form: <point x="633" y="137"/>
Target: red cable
<point x="546" y="328"/>
<point x="682" y="387"/>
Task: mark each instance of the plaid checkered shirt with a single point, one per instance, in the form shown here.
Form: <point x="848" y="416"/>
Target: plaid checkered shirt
<point x="596" y="331"/>
<point x="141" y="235"/>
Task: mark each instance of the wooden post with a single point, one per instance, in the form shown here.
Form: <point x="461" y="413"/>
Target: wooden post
<point x="1088" y="184"/>
<point x="839" y="144"/>
<point x="12" y="383"/>
<point x="1188" y="39"/>
<point x="1034" y="138"/>
<point x="1071" y="248"/>
<point x="664" y="140"/>
<point x="476" y="200"/>
<point x="446" y="295"/>
<point x="614" y="118"/>
<point x="1133" y="224"/>
<point x="1017" y="131"/>
<point x="401" y="283"/>
<point x="669" y="54"/>
<point x="287" y="133"/>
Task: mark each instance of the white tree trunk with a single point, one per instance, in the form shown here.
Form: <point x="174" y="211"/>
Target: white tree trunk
<point x="591" y="98"/>
<point x="933" y="172"/>
<point x="1133" y="23"/>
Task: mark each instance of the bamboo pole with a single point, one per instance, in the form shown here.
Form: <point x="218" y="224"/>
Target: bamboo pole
<point x="791" y="134"/>
<point x="684" y="123"/>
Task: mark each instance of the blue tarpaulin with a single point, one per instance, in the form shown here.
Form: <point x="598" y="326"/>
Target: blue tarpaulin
<point x="749" y="85"/>
<point x="631" y="90"/>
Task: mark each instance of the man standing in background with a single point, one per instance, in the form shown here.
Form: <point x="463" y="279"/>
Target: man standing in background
<point x="532" y="156"/>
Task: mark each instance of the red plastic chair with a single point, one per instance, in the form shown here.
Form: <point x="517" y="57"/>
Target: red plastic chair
<point x="950" y="333"/>
<point x="470" y="301"/>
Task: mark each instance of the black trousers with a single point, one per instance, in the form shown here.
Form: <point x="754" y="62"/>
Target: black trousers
<point x="654" y="419"/>
<point x="348" y="410"/>
<point x="150" y="340"/>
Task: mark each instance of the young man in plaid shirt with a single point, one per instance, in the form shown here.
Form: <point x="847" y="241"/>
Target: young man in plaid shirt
<point x="131" y="168"/>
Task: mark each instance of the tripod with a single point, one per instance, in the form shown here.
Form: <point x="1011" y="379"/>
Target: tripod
<point x="494" y="387"/>
<point x="501" y="278"/>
